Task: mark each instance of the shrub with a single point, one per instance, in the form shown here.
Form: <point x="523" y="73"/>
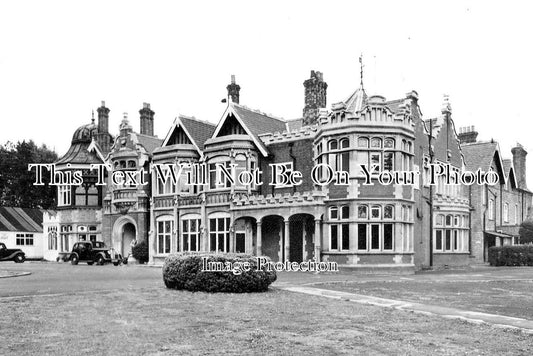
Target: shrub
<point x="140" y="251"/>
<point x="186" y="271"/>
<point x="517" y="255"/>
<point x="526" y="232"/>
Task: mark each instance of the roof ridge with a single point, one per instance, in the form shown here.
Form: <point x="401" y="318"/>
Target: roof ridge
<point x="257" y="111"/>
<point x="193" y="118"/>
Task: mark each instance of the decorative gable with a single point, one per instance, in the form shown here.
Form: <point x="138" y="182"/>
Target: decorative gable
<point x="231" y="126"/>
<point x="178" y="137"/>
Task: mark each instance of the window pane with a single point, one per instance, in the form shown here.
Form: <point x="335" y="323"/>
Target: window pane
<point x="389" y="143"/>
<point x="388" y="161"/>
<point x="345" y="212"/>
<point x="213" y="242"/>
<point x="362" y="212"/>
<point x="212" y="225"/>
<point x="374" y="243"/>
<point x="345" y="143"/>
<point x="345" y="161"/>
<point x="334" y="237"/>
<point x="375" y="143"/>
<point x="448" y="243"/>
<point x="438" y="240"/>
<point x="333" y="213"/>
<point x="345" y="236"/>
<point x="375" y="212"/>
<point x="361" y="236"/>
<point x="185" y="226"/>
<point x="167" y="243"/>
<point x="362" y="142"/>
<point x="388" y="212"/>
<point x="193" y="242"/>
<point x="185" y="242"/>
<point x="387" y="237"/>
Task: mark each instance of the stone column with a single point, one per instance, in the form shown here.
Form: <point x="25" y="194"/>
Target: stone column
<point x="287" y="240"/>
<point x="317" y="239"/>
<point x="259" y="238"/>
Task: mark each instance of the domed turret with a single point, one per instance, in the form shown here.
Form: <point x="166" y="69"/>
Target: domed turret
<point x="85" y="133"/>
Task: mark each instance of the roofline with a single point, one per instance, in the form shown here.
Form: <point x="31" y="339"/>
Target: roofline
<point x="230" y="109"/>
<point x="178" y="123"/>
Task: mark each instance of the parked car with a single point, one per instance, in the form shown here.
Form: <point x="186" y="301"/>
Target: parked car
<point x="93" y="252"/>
<point x="11" y="254"/>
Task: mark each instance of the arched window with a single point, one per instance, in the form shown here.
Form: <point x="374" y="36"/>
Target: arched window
<point x="345" y="212"/>
<point x="362" y="212"/>
<point x="362" y="142"/>
<point x="345" y="143"/>
<point x="333" y="145"/>
<point x="375" y="143"/>
<point x="389" y="143"/>
<point x="333" y="213"/>
<point x="388" y="212"/>
<point x="375" y="212"/>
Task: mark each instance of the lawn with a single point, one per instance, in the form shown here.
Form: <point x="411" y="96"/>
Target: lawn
<point x="504" y="297"/>
<point x="168" y="322"/>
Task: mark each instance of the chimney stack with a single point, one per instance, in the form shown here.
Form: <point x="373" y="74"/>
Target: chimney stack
<point x="147" y="120"/>
<point x="103" y="118"/>
<point x="315" y="97"/>
<point x="233" y="90"/>
<point x="467" y="134"/>
<point x="519" y="163"/>
<point x="103" y="137"/>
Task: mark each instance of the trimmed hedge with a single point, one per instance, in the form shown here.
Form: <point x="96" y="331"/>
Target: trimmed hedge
<point x="140" y="251"/>
<point x="186" y="271"/>
<point x="517" y="255"/>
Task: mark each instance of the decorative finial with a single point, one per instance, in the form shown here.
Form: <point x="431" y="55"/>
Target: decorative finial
<point x="125" y="116"/>
<point x="93" y="117"/>
<point x="361" y="64"/>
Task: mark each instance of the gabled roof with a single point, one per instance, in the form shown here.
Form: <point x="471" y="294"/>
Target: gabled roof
<point x="199" y="131"/>
<point x="196" y="130"/>
<point x="150" y="143"/>
<point x="253" y="122"/>
<point x="21" y="219"/>
<point x="508" y="169"/>
<point x="481" y="155"/>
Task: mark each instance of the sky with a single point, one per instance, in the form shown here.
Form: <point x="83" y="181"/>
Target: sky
<point x="60" y="59"/>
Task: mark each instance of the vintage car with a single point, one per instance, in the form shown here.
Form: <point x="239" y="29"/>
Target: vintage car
<point x="11" y="254"/>
<point x="93" y="252"/>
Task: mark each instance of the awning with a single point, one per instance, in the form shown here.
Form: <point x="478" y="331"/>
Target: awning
<point x="499" y="234"/>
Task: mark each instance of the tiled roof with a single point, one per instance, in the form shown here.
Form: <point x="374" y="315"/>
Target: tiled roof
<point x="150" y="143"/>
<point x="479" y="155"/>
<point x="394" y="105"/>
<point x="258" y="122"/>
<point x="200" y="131"/>
<point x="78" y="153"/>
<point x="356" y="101"/>
<point x="21" y="219"/>
<point x="507" y="164"/>
<point x="295" y="124"/>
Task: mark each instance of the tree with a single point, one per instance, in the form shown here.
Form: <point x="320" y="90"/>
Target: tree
<point x="526" y="232"/>
<point x="16" y="182"/>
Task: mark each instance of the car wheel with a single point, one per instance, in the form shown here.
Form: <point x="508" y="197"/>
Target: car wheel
<point x="19" y="258"/>
<point x="74" y="259"/>
<point x="90" y="263"/>
<point x="116" y="263"/>
<point x="100" y="260"/>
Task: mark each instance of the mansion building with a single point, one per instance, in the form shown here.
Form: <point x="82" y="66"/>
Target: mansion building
<point x="403" y="226"/>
